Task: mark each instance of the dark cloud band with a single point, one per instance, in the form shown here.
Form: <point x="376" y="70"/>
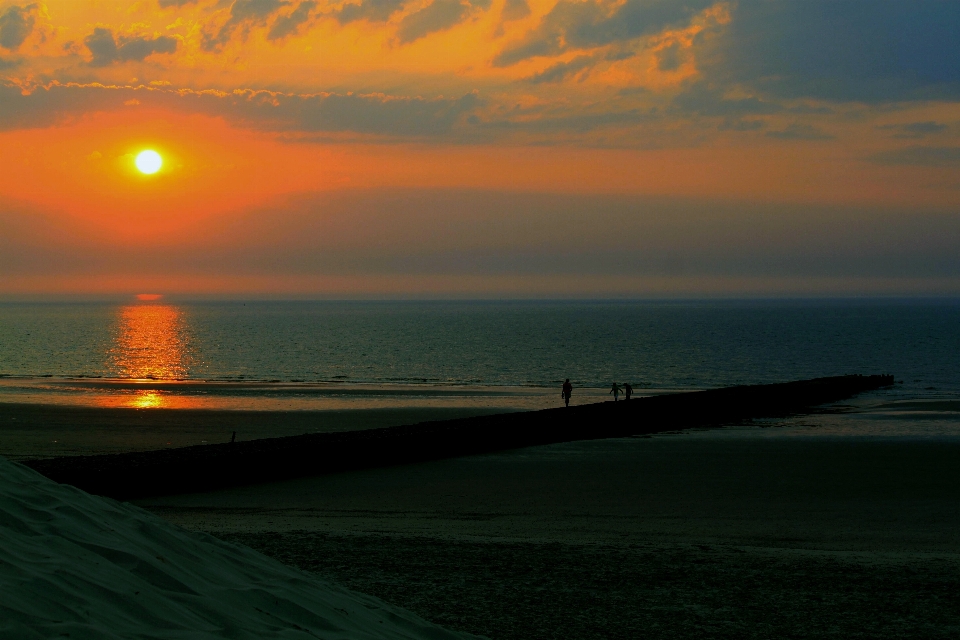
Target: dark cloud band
<point x="376" y="114"/>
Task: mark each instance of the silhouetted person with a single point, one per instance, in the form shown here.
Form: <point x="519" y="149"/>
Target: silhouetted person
<point x="615" y="390"/>
<point x="566" y="391"/>
<point x="627" y="391"/>
<point x="233" y="438"/>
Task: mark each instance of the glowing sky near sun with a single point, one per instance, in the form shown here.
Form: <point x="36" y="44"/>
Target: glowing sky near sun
<point x="685" y="146"/>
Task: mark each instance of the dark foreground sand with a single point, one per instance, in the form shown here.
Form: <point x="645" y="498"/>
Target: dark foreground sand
<point x="694" y="535"/>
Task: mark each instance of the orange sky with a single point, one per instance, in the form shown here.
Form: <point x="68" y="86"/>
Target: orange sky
<point x="257" y="103"/>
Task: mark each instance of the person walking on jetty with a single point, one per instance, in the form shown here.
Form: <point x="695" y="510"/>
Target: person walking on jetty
<point x="565" y="392"/>
<point x="615" y="390"/>
<point x="627" y="391"/>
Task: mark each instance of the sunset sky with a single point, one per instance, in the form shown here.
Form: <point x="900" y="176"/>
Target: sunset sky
<point x="531" y="148"/>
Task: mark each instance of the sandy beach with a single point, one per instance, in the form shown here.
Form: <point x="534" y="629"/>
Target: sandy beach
<point x="692" y="535"/>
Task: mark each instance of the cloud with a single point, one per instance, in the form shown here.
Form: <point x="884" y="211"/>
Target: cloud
<point x="42" y="107"/>
<point x="290" y="24"/>
<point x="705" y="100"/>
<point x="671" y="57"/>
<point x="920" y="156"/>
<point x="515" y="10"/>
<point x="16" y="25"/>
<point x="739" y="124"/>
<point x="914" y="129"/>
<point x="800" y="132"/>
<point x="576" y="122"/>
<point x="573" y="24"/>
<point x="372" y="10"/>
<point x="437" y="16"/>
<point x="563" y="70"/>
<point x="856" y="50"/>
<point x="377" y="114"/>
<point x="107" y="50"/>
<point x="242" y="16"/>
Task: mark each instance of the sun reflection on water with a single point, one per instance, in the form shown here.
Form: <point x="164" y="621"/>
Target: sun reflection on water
<point x="147" y="399"/>
<point x="150" y="344"/>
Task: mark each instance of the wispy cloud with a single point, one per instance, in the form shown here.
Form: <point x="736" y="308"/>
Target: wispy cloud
<point x="914" y="129"/>
<point x="292" y="23"/>
<point x="920" y="156"/>
<point x="267" y="110"/>
<point x="800" y="132"/>
<point x="573" y="25"/>
<point x="565" y="70"/>
<point x="241" y="16"/>
<point x="436" y="16"/>
<point x="373" y="10"/>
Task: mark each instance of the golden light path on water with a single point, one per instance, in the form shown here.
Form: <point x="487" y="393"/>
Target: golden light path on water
<point x="151" y="357"/>
<point x="150" y="344"/>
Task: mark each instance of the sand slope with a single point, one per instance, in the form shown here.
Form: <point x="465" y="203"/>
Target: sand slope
<point x="79" y="566"/>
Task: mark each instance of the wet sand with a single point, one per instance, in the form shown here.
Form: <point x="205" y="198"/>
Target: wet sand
<point x="691" y="535"/>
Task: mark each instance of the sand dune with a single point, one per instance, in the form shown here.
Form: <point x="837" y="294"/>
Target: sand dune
<point x="77" y="565"/>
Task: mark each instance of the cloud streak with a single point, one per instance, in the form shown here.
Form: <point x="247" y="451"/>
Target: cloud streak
<point x="372" y="10"/>
<point x="294" y="22"/>
<point x="436" y="16"/>
<point x="914" y="129"/>
<point x="572" y="25"/>
<point x="107" y="50"/>
<point x="267" y="110"/>
<point x="920" y="157"/>
<point x="241" y="16"/>
<point x="800" y="132"/>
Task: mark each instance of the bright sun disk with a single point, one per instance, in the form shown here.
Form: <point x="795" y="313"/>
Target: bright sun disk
<point x="149" y="162"/>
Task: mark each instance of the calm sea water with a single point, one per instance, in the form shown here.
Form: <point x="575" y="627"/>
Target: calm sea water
<point x="511" y="354"/>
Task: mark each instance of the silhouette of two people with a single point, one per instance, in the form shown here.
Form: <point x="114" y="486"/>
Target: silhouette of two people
<point x="627" y="391"/>
<point x="567" y="390"/>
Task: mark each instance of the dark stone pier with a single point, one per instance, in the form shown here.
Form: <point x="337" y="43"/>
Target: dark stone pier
<point x="207" y="467"/>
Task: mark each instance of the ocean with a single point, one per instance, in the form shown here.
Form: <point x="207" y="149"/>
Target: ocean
<point x="507" y="355"/>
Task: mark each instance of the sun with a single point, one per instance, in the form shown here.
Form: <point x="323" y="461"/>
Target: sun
<point x="149" y="161"/>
